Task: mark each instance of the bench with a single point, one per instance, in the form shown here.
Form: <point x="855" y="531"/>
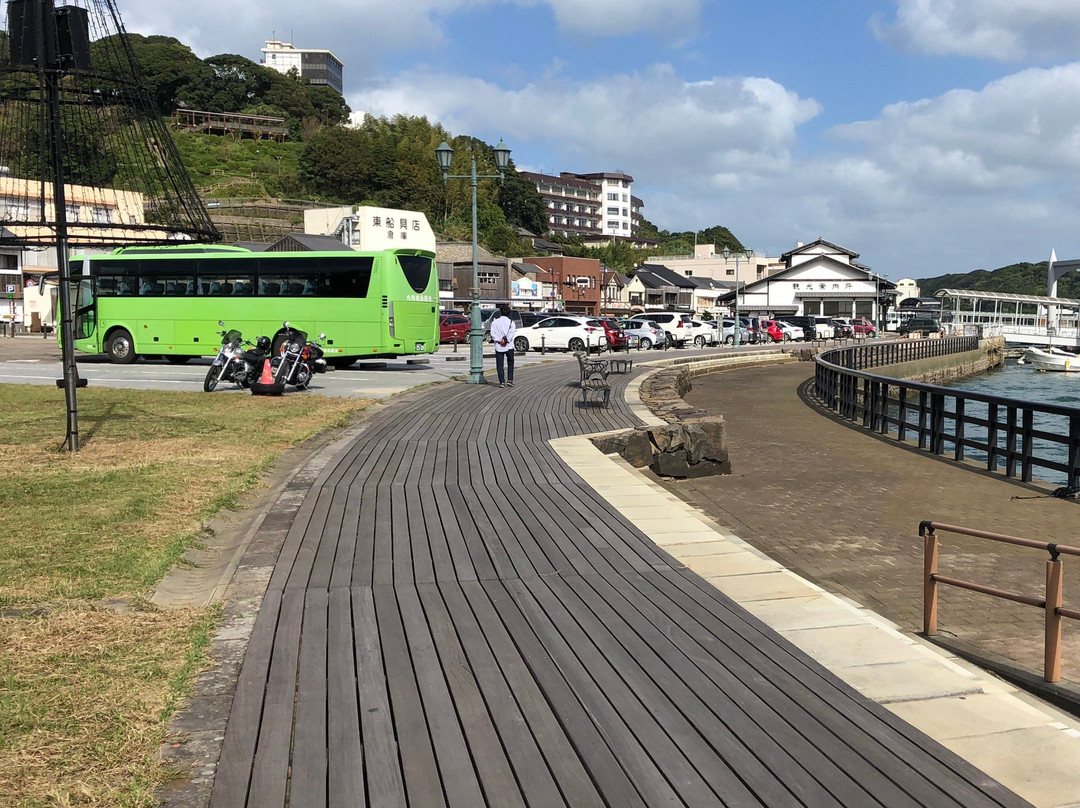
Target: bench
<point x="620" y="365"/>
<point x="597" y="389"/>
<point x="591" y="368"/>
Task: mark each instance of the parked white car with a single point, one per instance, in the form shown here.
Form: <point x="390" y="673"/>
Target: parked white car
<point x="643" y="334"/>
<point x="791" y="332"/>
<point x="676" y="324"/>
<point x="703" y="333"/>
<point x="562" y="332"/>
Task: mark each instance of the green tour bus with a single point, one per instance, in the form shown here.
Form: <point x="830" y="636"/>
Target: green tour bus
<point x="166" y="301"/>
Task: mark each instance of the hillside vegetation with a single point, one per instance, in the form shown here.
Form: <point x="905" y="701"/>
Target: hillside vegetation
<point x="1018" y="279"/>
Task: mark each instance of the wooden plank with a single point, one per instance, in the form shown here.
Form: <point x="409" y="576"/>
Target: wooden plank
<point x="528" y="727"/>
<point x="633" y="751"/>
<point x="458" y="773"/>
<point x="382" y="765"/>
<point x="463" y="678"/>
<point x="309" y="764"/>
<point x="402" y="550"/>
<point x="421" y="773"/>
<point x="680" y="754"/>
<point x="271" y="767"/>
<point x="233" y="773"/>
<point x="760" y="759"/>
<point x="588" y="736"/>
<point x="345" y="752"/>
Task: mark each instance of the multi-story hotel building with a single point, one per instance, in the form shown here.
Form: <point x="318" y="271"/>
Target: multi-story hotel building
<point x="315" y="65"/>
<point x="589" y="205"/>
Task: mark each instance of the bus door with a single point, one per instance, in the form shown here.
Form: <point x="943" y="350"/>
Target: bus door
<point x="85" y="308"/>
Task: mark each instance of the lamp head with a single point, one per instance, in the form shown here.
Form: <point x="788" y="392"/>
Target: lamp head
<point x="749" y="253"/>
<point x="444" y="154"/>
<point x="727" y="253"/>
<point x="502" y="156"/>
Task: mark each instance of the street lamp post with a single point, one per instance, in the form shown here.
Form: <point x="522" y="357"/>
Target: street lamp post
<point x="737" y="327"/>
<point x="476" y="332"/>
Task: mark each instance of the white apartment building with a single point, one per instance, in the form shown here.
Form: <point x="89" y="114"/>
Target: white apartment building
<point x="316" y="65"/>
<point x="589" y="205"/>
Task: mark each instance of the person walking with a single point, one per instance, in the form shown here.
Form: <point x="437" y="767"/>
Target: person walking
<point x="502" y="334"/>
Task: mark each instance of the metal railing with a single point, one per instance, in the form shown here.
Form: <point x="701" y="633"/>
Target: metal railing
<point x="1051" y="603"/>
<point x="1011" y="436"/>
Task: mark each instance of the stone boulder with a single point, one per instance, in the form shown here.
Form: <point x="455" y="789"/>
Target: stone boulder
<point x="697" y="448"/>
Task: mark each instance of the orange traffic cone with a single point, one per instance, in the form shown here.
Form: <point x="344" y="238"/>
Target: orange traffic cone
<point x="267" y="377"/>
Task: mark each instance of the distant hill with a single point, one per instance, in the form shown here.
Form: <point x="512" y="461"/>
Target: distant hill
<point x="1017" y="279"/>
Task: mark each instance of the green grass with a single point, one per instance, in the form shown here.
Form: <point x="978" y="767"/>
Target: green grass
<point x="86" y="691"/>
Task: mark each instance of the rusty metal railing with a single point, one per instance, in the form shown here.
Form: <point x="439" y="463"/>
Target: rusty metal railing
<point x="1051" y="603"/>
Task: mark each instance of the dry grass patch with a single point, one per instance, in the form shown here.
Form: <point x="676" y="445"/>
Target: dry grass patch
<point x="86" y="692"/>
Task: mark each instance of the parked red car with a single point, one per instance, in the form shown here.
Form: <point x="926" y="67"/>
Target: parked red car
<point x="770" y="330"/>
<point x="863" y="327"/>
<point x="616" y="337"/>
<point x="453" y="326"/>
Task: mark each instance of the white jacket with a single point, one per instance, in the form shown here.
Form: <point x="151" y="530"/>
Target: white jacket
<point x="502" y="327"/>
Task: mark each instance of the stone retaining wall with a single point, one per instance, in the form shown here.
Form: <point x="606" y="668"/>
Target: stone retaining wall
<point x="691" y="443"/>
<point x="948" y="368"/>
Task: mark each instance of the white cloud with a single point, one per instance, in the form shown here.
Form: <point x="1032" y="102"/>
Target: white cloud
<point x="720" y="133"/>
<point x="360" y="31"/>
<point x="1005" y="30"/>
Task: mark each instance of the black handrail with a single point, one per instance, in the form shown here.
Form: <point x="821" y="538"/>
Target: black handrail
<point x="1014" y="436"/>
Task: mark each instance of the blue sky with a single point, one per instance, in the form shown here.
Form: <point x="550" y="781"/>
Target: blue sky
<point x="930" y="136"/>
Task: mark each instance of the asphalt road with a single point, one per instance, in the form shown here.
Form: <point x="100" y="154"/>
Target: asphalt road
<point x="33" y="360"/>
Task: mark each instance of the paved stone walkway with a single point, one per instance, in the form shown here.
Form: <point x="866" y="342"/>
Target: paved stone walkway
<point x="841" y="507"/>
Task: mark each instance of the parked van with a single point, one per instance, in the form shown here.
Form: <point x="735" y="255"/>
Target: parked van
<point x="487" y="315"/>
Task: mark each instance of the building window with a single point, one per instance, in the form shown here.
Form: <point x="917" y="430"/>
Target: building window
<point x="613" y="197"/>
<point x="488" y="278"/>
<point x="625" y="198"/>
<point x="613" y="225"/>
<point x="612" y="211"/>
<point x="624" y="213"/>
<point x="731" y="272"/>
<point x="625" y="226"/>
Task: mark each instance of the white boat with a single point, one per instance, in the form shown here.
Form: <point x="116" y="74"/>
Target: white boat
<point x="1054" y="359"/>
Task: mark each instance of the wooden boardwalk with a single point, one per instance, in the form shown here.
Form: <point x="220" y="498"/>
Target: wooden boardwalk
<point x="456" y="620"/>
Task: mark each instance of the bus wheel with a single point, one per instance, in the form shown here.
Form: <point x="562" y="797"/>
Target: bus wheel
<point x="120" y="348"/>
<point x="176" y="360"/>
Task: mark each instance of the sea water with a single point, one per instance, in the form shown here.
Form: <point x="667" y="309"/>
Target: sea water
<point x="1023" y="382"/>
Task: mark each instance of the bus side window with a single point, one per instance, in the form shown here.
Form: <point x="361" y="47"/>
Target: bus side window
<point x="215" y="289"/>
<point x="190" y="290"/>
<point x="309" y="287"/>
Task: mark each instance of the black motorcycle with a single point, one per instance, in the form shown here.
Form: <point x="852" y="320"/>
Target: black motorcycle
<point x="299" y="358"/>
<point x="237" y="360"/>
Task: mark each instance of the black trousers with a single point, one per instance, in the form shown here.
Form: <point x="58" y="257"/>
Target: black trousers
<point x="508" y="357"/>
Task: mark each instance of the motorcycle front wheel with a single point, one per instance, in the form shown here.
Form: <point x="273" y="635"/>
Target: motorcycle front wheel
<point x="211" y="380"/>
<point x="302" y="375"/>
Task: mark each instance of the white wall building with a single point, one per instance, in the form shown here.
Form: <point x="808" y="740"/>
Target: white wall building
<point x="706" y="262"/>
<point x="319" y="66"/>
<point x="905" y="288"/>
<point x="819" y="278"/>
